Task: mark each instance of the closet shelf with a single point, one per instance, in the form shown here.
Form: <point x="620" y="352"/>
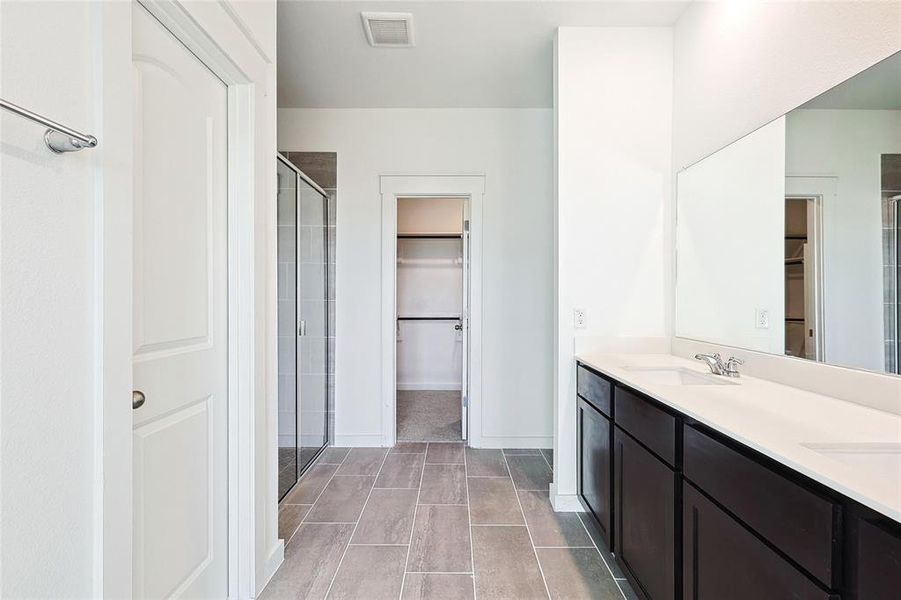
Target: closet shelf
<point x="430" y="261"/>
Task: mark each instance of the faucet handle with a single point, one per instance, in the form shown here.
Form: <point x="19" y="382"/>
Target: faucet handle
<point x="731" y="367"/>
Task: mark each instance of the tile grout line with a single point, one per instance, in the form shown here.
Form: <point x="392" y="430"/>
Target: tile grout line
<point x="360" y="516"/>
<point x="303" y="521"/>
<point x="472" y="554"/>
<point x="601" y="554"/>
<point x="403" y="579"/>
<point x="547" y="462"/>
<point x="528" y="531"/>
<point x="319" y="495"/>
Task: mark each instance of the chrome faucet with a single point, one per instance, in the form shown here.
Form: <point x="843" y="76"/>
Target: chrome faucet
<point x="718" y="367"/>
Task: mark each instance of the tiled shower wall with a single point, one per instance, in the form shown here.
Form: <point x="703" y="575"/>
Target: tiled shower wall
<point x="322" y="167"/>
<point x="891" y="186"/>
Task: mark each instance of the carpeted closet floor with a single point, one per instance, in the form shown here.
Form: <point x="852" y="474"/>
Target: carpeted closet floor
<point x="428" y="416"/>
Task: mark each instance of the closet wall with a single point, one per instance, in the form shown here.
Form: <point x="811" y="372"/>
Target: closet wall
<point x="429" y="284"/>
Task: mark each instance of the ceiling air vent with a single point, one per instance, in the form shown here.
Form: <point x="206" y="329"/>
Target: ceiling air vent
<point x="388" y="29"/>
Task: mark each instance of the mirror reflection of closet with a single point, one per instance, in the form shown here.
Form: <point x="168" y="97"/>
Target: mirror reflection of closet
<point x="802" y="278"/>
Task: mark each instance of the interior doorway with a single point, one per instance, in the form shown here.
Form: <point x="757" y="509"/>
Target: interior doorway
<point x="471" y="190"/>
<point x="803" y="277"/>
<point x="432" y="298"/>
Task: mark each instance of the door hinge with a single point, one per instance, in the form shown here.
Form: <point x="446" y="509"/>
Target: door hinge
<point x="465" y="401"/>
<point x="302" y="328"/>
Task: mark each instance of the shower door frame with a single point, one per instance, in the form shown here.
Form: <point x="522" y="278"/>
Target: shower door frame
<point x="301" y="176"/>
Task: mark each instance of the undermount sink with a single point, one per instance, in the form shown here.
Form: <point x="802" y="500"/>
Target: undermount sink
<point x="882" y="458"/>
<point x="677" y="376"/>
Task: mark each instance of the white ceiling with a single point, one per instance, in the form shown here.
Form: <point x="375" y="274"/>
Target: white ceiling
<point x="468" y="54"/>
<point x="877" y="88"/>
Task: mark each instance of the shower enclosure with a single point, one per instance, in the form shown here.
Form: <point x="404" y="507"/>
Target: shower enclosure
<point x="302" y="323"/>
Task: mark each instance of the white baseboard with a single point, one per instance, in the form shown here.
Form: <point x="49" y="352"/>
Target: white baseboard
<point x="517" y="441"/>
<point x="428" y="387"/>
<point x="372" y="440"/>
<point x="273" y="562"/>
<point x="565" y="502"/>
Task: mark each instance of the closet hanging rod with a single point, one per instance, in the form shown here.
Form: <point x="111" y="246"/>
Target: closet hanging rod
<point x="58" y="138"/>
<point x="428" y="318"/>
<point x="430" y="236"/>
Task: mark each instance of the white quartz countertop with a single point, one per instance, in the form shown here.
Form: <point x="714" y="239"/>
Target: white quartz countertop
<point x="850" y="448"/>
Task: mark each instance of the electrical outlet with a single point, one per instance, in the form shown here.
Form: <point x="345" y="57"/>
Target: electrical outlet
<point x="578" y="318"/>
<point x="762" y="320"/>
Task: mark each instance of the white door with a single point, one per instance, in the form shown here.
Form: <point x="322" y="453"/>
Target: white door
<point x="464" y="322"/>
<point x="180" y="321"/>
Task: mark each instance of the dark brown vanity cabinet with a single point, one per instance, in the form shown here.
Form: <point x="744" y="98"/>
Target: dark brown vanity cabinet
<point x="873" y="557"/>
<point x="722" y="559"/>
<point x="697" y="515"/>
<point x="645" y="490"/>
<point x="645" y="508"/>
<point x="595" y="438"/>
<point x="595" y="491"/>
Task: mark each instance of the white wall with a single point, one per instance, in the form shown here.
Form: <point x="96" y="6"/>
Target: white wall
<point x="739" y="65"/>
<point x="431" y="215"/>
<point x="48" y="364"/>
<point x="847" y="144"/>
<point x="513" y="148"/>
<point x="65" y="366"/>
<point x="731" y="243"/>
<point x="613" y="111"/>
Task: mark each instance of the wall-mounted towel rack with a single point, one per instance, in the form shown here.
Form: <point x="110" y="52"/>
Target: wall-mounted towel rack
<point x="58" y="138"/>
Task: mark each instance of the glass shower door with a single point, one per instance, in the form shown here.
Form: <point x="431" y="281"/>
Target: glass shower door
<point x="302" y="323"/>
<point x="313" y="314"/>
<point x="288" y="468"/>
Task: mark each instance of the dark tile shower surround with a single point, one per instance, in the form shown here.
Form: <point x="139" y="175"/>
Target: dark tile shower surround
<point x="437" y="521"/>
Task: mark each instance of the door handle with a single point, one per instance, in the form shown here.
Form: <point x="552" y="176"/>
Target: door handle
<point x="137" y="399"/>
<point x="458" y="327"/>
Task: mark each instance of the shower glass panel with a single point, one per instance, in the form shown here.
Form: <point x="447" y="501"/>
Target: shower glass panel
<point x="287" y="330"/>
<point x="313" y="314"/>
<point x="302" y="323"/>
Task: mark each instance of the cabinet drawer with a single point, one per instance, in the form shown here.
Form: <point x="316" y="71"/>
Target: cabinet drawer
<point x="652" y="426"/>
<point x="722" y="559"/>
<point x="594" y="388"/>
<point x="595" y="464"/>
<point x="800" y="523"/>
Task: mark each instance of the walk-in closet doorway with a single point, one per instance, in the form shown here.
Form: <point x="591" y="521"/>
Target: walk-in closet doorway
<point x="431" y="308"/>
<point x="432" y="304"/>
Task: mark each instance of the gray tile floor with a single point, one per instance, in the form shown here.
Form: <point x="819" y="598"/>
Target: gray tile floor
<point x="435" y="521"/>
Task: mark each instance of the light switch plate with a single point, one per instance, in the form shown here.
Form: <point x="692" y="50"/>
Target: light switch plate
<point x="579" y="318"/>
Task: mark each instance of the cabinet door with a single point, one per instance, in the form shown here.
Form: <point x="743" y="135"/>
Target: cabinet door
<point x="594" y="466"/>
<point x="645" y="513"/>
<point x="874" y="558"/>
<point x="722" y="559"/>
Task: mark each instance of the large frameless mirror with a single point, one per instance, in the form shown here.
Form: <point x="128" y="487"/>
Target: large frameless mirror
<point x="787" y="239"/>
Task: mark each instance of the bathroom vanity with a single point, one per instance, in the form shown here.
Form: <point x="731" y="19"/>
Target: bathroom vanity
<point x="707" y="487"/>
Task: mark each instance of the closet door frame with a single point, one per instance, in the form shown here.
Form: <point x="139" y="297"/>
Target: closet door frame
<point x="471" y="189"/>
